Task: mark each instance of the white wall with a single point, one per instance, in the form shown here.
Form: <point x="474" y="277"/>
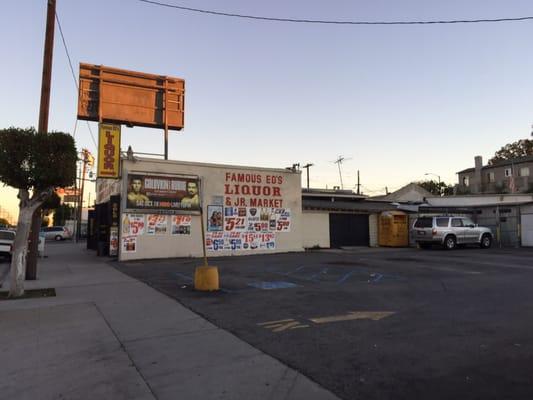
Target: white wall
<point x="213" y="179"/>
<point x="315" y="228"/>
<point x="527" y="225"/>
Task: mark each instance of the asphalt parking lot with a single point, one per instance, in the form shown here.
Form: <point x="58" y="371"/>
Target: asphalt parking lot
<point x="376" y="323"/>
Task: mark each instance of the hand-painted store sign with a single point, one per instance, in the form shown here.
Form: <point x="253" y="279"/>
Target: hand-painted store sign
<point x="108" y="151"/>
<point x="253" y="190"/>
<point x="253" y="213"/>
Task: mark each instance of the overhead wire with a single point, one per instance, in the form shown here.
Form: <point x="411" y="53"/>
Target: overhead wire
<point x="74" y="78"/>
<point x="335" y="22"/>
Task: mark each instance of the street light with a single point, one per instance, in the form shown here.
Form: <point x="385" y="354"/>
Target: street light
<point x="438" y="177"/>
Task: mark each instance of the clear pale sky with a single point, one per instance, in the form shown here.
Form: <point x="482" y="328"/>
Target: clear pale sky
<point x="399" y="101"/>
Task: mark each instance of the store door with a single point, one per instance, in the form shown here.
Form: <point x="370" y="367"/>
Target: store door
<point x="348" y="230"/>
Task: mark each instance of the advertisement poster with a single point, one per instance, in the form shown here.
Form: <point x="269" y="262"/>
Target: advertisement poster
<point x="236" y="241"/>
<point x="129" y="244"/>
<point x="113" y="241"/>
<point x="132" y="224"/>
<point x="215" y="218"/>
<point x="248" y="228"/>
<point x="181" y="224"/>
<point x="157" y="224"/>
<point x="162" y="193"/>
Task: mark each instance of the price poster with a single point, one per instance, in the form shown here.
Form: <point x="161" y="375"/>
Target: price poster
<point x="129" y="244"/>
<point x="133" y="224"/>
<point x="249" y="229"/>
<point x="214" y="241"/>
<point x="157" y="224"/>
<point x="181" y="224"/>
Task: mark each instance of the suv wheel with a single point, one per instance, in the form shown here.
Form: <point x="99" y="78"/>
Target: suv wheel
<point x="450" y="242"/>
<point x="58" y="238"/>
<point x="486" y="242"/>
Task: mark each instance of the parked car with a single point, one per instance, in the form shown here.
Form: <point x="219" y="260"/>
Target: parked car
<point x="450" y="232"/>
<point x="7" y="238"/>
<point x="56" y="233"/>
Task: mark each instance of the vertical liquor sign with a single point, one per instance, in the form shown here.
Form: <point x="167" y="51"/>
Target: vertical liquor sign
<point x="108" y="151"/>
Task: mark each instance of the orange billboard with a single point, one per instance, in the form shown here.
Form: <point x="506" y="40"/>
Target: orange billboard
<point x="132" y="98"/>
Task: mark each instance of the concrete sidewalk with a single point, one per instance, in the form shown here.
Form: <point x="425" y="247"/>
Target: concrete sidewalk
<point x="108" y="336"/>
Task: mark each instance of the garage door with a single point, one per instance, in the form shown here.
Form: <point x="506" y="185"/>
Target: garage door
<point x="348" y="230"/>
<point x="527" y="229"/>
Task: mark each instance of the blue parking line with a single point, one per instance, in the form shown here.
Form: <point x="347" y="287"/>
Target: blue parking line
<point x="184" y="276"/>
<point x="296" y="270"/>
<point x="345" y="277"/>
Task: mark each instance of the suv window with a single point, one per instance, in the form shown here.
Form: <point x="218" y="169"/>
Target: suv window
<point x="457" y="222"/>
<point x="468" y="222"/>
<point x="56" y="228"/>
<point x="424" y="222"/>
<point x="7" y="235"/>
<point x="443" y="222"/>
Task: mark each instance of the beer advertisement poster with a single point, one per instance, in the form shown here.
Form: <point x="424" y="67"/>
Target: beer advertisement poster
<point x="162" y="193"/>
<point x="108" y="151"/>
<point x="215" y="218"/>
<point x="133" y="224"/>
<point x="113" y="241"/>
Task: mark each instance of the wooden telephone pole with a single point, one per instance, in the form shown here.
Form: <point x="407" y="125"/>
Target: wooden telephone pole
<point x="31" y="262"/>
<point x="307" y="166"/>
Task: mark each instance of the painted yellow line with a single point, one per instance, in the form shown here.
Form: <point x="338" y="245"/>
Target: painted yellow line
<point x="353" y="315"/>
<point x="286" y="326"/>
<point x="275" y="322"/>
<point x="300" y="326"/>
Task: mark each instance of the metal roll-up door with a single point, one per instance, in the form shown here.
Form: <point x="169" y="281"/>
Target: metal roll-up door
<point x="348" y="230"/>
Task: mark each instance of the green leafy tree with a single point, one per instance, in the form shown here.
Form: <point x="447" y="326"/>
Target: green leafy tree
<point x="35" y="163"/>
<point x="520" y="148"/>
<point x="437" y="188"/>
<point x="4" y="222"/>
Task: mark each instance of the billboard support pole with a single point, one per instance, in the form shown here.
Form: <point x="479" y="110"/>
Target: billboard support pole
<point x="165" y="105"/>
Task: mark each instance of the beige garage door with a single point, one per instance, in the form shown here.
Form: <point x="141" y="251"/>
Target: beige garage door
<point x="527" y="230"/>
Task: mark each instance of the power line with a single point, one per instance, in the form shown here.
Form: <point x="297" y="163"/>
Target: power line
<point x="336" y="22"/>
<point x="73" y="76"/>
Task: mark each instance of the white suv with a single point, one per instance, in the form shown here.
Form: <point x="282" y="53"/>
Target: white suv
<point x="56" y="233"/>
<point x="450" y="232"/>
<point x="7" y="238"/>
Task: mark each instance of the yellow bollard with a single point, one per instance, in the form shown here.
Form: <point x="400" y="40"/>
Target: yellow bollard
<point x="206" y="278"/>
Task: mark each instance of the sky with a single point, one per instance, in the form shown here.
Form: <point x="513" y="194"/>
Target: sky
<point x="396" y="101"/>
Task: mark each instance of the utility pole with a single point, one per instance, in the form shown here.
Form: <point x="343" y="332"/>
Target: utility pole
<point x="85" y="160"/>
<point x="31" y="261"/>
<point x="307" y="166"/>
<point x="358" y="183"/>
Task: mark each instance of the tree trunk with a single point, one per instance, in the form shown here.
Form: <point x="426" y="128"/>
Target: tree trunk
<point x="27" y="207"/>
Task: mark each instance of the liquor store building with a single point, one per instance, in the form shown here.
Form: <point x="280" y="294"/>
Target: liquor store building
<point x="245" y="210"/>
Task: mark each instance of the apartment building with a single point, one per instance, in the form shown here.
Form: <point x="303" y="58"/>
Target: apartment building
<point x="510" y="176"/>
